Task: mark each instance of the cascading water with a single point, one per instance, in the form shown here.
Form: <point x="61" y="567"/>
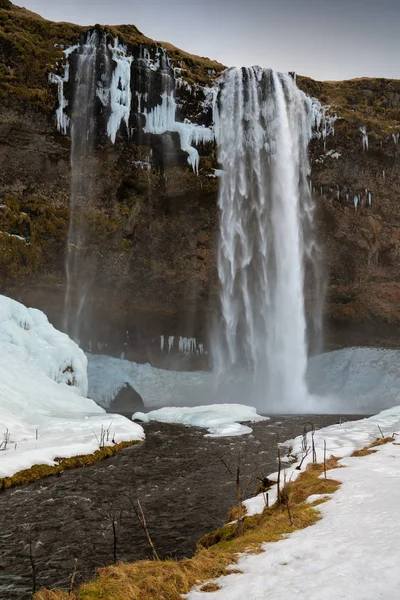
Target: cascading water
<point x="80" y="262"/>
<point x="263" y="126"/>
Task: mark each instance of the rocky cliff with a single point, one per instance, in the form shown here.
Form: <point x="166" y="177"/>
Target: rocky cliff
<point x="153" y="222"/>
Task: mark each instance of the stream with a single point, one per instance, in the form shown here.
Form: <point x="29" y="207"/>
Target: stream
<point x="177" y="474"/>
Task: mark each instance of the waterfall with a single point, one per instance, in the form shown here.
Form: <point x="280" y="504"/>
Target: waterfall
<point x="262" y="127"/>
<point x="80" y="262"/>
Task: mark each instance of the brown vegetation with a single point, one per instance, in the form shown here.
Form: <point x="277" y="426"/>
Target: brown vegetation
<point x="370" y="449"/>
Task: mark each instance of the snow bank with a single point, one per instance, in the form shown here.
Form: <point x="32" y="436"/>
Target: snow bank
<point x="341" y="440"/>
<point x="353" y="551"/>
<point x="43" y="411"/>
<point x="220" y="419"/>
<point x="26" y="334"/>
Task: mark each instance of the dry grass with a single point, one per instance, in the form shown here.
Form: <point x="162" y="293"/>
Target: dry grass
<point x="233" y="513"/>
<point x="42" y="471"/>
<point x="168" y="580"/>
<point x="370" y="449"/>
<point x="210" y="587"/>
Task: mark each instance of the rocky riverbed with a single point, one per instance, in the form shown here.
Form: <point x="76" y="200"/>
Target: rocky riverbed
<point x="177" y="474"/>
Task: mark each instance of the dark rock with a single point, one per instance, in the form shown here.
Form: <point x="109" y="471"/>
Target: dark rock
<point x="127" y="401"/>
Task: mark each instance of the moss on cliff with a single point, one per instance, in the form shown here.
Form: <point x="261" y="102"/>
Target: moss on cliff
<point x="374" y="103"/>
<point x="32" y="236"/>
<point x="31" y="47"/>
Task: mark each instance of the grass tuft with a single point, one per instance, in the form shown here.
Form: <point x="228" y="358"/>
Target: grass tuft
<point x="370" y="449"/>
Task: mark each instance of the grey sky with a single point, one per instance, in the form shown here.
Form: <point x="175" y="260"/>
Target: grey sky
<point x="325" y="39"/>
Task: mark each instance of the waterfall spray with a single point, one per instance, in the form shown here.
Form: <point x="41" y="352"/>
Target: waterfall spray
<point x="263" y="126"/>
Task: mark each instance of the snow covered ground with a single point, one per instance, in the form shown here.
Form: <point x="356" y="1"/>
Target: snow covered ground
<point x="353" y="551"/>
<point x="43" y="383"/>
<point x="220" y="419"/>
<point x="349" y="381"/>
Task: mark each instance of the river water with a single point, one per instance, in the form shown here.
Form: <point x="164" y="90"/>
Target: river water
<point x="177" y="474"/>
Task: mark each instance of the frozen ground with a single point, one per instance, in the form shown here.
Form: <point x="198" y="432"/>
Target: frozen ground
<point x="352" y="552"/>
<point x="352" y="381"/>
<point x="358" y="380"/>
<point x="157" y="387"/>
<point x="220" y="419"/>
<point x="43" y="409"/>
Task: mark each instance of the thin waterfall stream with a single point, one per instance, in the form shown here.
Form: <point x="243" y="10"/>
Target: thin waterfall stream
<point x="80" y="264"/>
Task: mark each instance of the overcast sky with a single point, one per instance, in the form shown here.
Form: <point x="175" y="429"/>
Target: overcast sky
<point x="325" y="39"/>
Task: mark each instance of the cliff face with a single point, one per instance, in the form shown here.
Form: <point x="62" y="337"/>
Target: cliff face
<point x="153" y="222"/>
<point x="356" y="184"/>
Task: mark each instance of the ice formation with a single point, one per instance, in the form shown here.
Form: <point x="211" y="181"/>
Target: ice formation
<point x="322" y="121"/>
<point x="364" y="135"/>
<point x="120" y="90"/>
<point x="62" y="117"/>
<point x="184" y="344"/>
<point x="162" y="118"/>
<point x="27" y="334"/>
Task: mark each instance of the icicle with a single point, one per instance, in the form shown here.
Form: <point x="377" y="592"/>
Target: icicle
<point x="170" y="343"/>
<point x="369" y="198"/>
<point x="162" y="343"/>
<point x="162" y="118"/>
<point x="62" y="118"/>
<point x="364" y="137"/>
<point x="355" y="202"/>
<point x="322" y="123"/>
<point x="120" y="91"/>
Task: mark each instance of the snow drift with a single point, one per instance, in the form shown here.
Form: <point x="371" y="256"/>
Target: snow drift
<point x="43" y="383"/>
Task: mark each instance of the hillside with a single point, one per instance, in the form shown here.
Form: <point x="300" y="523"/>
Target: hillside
<point x="153" y="222"/>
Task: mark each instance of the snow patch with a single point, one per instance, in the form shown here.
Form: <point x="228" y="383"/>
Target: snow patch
<point x="221" y="420"/>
